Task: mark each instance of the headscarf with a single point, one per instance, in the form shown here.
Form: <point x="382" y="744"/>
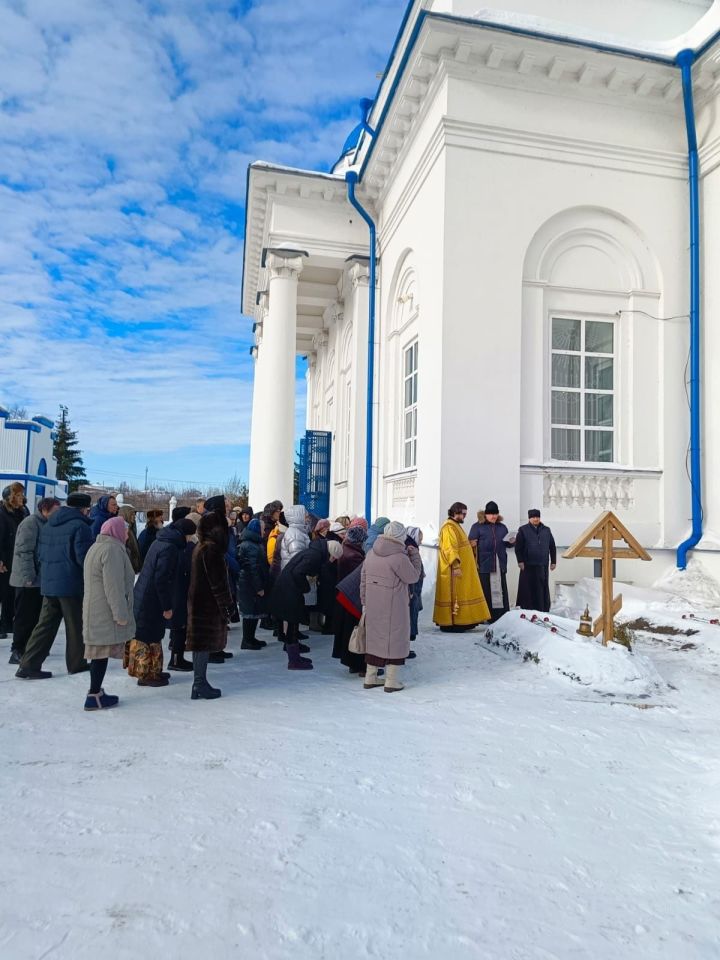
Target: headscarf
<point x="356" y="535"/>
<point x="337" y="527"/>
<point x="396" y="531"/>
<point x="374" y="532"/>
<point x="335" y="549"/>
<point x="186" y="527"/>
<point x="414" y="533"/>
<point x="359" y="522"/>
<point x="116" y="528"/>
<point x="255" y="527"/>
<point x="322" y="526"/>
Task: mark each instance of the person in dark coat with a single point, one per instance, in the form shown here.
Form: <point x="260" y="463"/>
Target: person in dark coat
<point x="347" y="613"/>
<point x="253" y="583"/>
<point x="210" y="603"/>
<point x="12" y="514"/>
<point x="25" y="576"/>
<point x="415" y="539"/>
<point x="245" y="516"/>
<point x="146" y="539"/>
<point x="154" y="595"/>
<point x="178" y="623"/>
<point x="128" y="513"/>
<point x="62" y="546"/>
<point x="489" y="539"/>
<point x="105" y="509"/>
<point x="534" y="549"/>
<point x="287" y="600"/>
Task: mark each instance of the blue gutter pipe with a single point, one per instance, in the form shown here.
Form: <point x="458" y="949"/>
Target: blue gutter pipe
<point x="685" y="60"/>
<point x="352" y="178"/>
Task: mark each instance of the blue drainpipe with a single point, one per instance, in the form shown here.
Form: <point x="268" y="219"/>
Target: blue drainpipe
<point x="352" y="178"/>
<point x="685" y="60"/>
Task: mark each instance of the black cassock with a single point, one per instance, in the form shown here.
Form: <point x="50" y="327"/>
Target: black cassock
<point x="534" y="588"/>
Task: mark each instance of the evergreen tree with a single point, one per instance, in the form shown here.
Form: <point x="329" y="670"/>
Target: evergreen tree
<point x="70" y="465"/>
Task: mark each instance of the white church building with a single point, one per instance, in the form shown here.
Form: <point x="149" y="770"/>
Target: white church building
<point x="543" y="182"/>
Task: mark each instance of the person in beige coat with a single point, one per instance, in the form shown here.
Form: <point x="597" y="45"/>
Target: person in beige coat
<point x="108" y="621"/>
<point x="389" y="568"/>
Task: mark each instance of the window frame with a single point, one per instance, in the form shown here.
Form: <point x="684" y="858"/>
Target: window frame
<point x="411" y="409"/>
<point x="583" y="390"/>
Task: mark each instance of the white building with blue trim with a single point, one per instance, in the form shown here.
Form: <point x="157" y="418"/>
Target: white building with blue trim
<point x="542" y="178"/>
<point x="26" y="455"/>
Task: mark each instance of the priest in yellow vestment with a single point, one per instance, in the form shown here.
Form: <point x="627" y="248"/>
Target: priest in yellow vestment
<point x="459" y="598"/>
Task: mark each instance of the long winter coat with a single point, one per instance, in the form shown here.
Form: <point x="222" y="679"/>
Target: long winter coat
<point x="62" y="547"/>
<point x="287" y="601"/>
<point x="296" y="538"/>
<point x="210" y="603"/>
<point x="155" y="588"/>
<point x="535" y="546"/>
<point x="10" y="520"/>
<point x="182" y="588"/>
<point x="253" y="575"/>
<point x="491" y="547"/>
<point x="388" y="570"/>
<point x="99" y="514"/>
<point x="108" y="597"/>
<point x="25" y="564"/>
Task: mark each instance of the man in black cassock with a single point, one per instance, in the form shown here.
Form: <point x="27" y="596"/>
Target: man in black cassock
<point x="535" y="549"/>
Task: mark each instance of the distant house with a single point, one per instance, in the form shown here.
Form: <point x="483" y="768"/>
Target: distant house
<point x="26" y="454"/>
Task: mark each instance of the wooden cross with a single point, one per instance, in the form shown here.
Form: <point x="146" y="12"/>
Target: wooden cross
<point x="607" y="529"/>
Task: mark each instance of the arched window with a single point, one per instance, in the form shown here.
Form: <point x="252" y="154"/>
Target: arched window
<point x="42" y="472"/>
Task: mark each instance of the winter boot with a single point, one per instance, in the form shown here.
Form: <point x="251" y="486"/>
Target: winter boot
<point x="201" y="690"/>
<point x="15" y="657"/>
<point x="392" y="684"/>
<point x="161" y="681"/>
<point x="371" y="678"/>
<point x="100" y="701"/>
<point x="178" y="662"/>
<point x="295" y="661"/>
<point x="411" y="655"/>
<point x="22" y="674"/>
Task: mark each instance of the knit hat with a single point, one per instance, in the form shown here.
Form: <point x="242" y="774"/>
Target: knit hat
<point x="115" y="528"/>
<point x="533" y="513"/>
<point x="356" y="535"/>
<point x="491" y="507"/>
<point x="335" y="549"/>
<point x="79" y="500"/>
<point x="179" y="512"/>
<point x="396" y="531"/>
<point x="358" y="522"/>
<point x="186" y="527"/>
<point x="216" y="504"/>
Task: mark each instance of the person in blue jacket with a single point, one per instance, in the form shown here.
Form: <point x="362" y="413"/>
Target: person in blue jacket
<point x="489" y="539"/>
<point x="62" y="545"/>
<point x="105" y="509"/>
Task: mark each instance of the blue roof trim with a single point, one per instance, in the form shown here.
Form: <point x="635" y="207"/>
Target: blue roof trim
<point x="22" y="425"/>
<point x="4" y="413"/>
<point x="44" y="422"/>
<point x="30" y="478"/>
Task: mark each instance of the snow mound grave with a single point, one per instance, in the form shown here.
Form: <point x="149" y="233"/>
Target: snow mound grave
<point x="613" y="670"/>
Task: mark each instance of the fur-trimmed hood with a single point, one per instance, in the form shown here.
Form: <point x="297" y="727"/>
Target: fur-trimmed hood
<point x="481" y="517"/>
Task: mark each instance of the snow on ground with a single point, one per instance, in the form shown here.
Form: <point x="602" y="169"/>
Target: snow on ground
<point x="489" y="811"/>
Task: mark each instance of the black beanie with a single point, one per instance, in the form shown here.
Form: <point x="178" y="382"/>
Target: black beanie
<point x="533" y="513"/>
<point x="491" y="507"/>
<point x="186" y="527"/>
<point x="79" y="500"/>
<point x="179" y="512"/>
<point x="215" y="504"/>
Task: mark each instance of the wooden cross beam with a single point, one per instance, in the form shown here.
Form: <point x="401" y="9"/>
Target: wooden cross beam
<point x="607" y="529"/>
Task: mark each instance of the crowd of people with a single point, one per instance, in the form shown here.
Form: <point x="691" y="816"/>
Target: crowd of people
<point x="212" y="564"/>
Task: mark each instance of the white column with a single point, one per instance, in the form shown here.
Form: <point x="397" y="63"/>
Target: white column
<point x="260" y="374"/>
<point x="272" y="443"/>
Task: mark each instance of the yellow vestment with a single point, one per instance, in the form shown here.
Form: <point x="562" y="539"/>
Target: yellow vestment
<point x="459" y="600"/>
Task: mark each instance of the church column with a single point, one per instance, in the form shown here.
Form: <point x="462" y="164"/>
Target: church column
<point x="260" y="389"/>
<point x="272" y="456"/>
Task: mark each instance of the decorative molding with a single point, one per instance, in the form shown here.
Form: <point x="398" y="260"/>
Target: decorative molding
<point x="281" y="267"/>
<point x="359" y="275"/>
<point x="401" y="489"/>
<point x="596" y="491"/>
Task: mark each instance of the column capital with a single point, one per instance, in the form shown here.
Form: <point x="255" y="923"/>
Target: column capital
<point x="280" y="262"/>
<point x="320" y="340"/>
<point x="359" y="274"/>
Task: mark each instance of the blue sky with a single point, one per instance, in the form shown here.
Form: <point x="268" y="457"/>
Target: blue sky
<point x="126" y="128"/>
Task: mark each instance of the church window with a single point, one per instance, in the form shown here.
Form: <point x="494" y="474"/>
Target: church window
<point x="583" y="390"/>
<point x="410" y="399"/>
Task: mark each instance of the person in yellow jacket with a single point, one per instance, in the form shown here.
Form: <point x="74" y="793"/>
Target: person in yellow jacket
<point x="459" y="599"/>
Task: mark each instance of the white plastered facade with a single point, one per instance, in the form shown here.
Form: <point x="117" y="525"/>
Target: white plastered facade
<point x="513" y="180"/>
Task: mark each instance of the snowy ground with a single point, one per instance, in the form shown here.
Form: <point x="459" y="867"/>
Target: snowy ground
<point x="494" y="810"/>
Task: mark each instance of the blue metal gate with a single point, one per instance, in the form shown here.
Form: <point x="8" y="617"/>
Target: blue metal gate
<point x="315" y="448"/>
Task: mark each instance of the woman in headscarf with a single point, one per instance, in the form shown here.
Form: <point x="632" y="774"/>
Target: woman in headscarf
<point x="415" y="539"/>
<point x="253" y="583"/>
<point x="287" y="601"/>
<point x="347" y="613"/>
<point x="108" y="621"/>
<point x="374" y="532"/>
<point x="147" y="537"/>
<point x="128" y="513"/>
<point x="388" y="571"/>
